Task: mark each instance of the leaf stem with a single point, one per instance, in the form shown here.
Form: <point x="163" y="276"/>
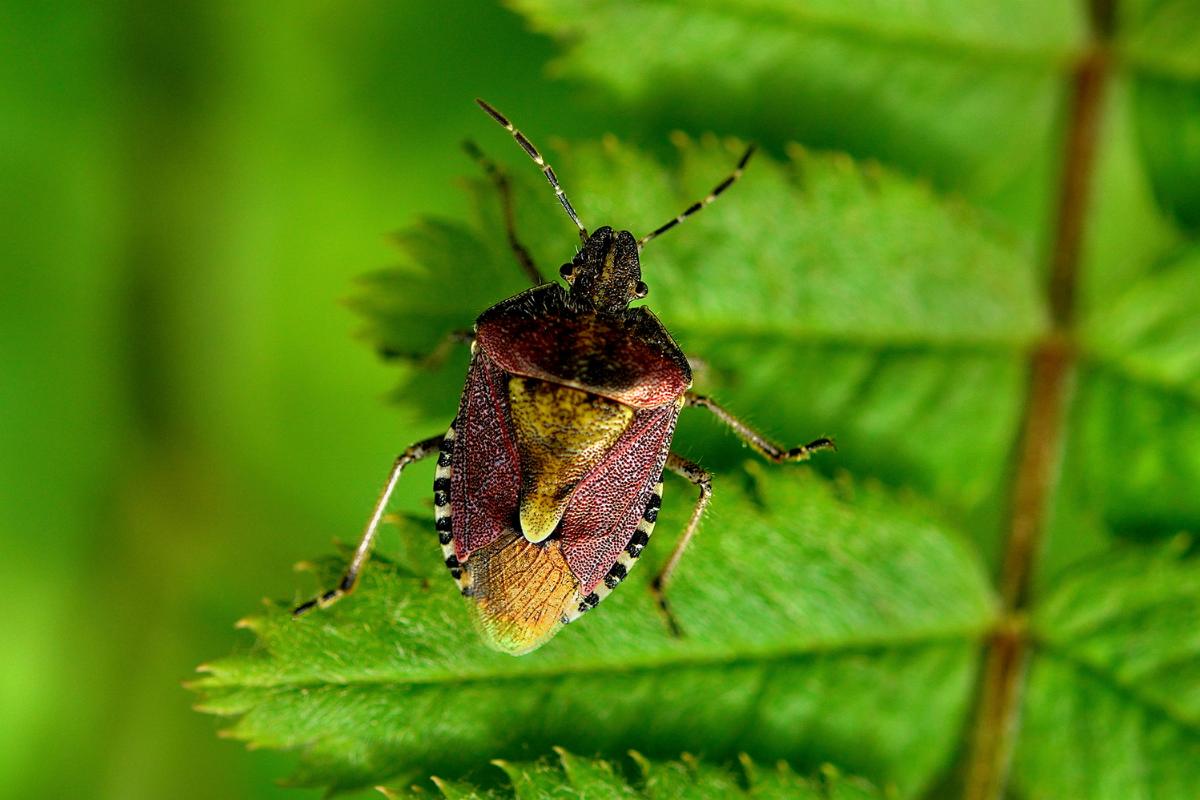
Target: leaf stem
<point x="1051" y="373"/>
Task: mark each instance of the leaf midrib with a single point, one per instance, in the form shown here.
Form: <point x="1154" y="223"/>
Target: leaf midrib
<point x="713" y="660"/>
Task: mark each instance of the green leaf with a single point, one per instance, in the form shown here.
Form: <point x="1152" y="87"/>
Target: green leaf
<point x="1112" y="708"/>
<point x="570" y="776"/>
<point x="798" y="240"/>
<point x="1132" y="444"/>
<point x="1127" y="234"/>
<point x="1168" y="123"/>
<point x="824" y="619"/>
<point x="965" y="91"/>
<point x="410" y="309"/>
<point x="1160" y="36"/>
<point x="1151" y="332"/>
<point x="841" y="595"/>
<point x="1159" y="39"/>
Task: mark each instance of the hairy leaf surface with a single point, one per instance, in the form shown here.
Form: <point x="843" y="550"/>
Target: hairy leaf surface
<point x="963" y="96"/>
<point x="569" y="776"/>
<point x="1113" y="704"/>
<point x="830" y="619"/>
<point x="819" y="593"/>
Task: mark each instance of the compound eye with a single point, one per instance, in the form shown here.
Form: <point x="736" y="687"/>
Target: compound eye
<point x="641" y="290"/>
<point x="567" y="271"/>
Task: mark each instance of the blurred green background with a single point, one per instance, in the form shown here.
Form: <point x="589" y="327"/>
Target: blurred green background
<point x="189" y="190"/>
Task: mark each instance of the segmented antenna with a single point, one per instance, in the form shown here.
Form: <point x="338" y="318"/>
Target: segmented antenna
<point x="528" y="147"/>
<point x="699" y="204"/>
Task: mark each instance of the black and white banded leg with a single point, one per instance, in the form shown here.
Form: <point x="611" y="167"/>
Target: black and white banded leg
<point x="756" y="440"/>
<point x="349" y="579"/>
<point x="504" y="189"/>
<point x="700" y="478"/>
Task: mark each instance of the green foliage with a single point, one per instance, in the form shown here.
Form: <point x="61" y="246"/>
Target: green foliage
<point x="569" y="776"/>
<point x="1160" y="36"/>
<point x="854" y="596"/>
<point x="796" y="590"/>
<point x="1113" y="704"/>
<point x="964" y="91"/>
<point x="1160" y="39"/>
<point x="817" y="266"/>
<point x="1168" y="119"/>
<point x="838" y="614"/>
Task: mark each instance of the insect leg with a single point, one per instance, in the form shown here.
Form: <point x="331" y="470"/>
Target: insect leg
<point x="346" y="585"/>
<point x="435" y="357"/>
<point x="762" y="444"/>
<point x="504" y="188"/>
<point x="700" y="478"/>
<point x="438" y="355"/>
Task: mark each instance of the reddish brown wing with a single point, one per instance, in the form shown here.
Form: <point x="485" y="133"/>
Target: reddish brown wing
<point x="626" y="357"/>
<point x="486" y="477"/>
<point x="608" y="504"/>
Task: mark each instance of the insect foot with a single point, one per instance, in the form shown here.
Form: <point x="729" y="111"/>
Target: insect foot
<point x="664" y="606"/>
<point x="805" y="451"/>
<point x="327" y="599"/>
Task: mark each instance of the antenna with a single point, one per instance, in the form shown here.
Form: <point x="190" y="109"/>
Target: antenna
<point x="547" y="170"/>
<point x="699" y="204"/>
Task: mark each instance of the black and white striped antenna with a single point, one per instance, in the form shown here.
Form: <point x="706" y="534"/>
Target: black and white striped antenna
<point x="699" y="204"/>
<point x="547" y="170"/>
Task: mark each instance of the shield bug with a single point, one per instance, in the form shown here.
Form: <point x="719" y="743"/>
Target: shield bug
<point x="549" y="480"/>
